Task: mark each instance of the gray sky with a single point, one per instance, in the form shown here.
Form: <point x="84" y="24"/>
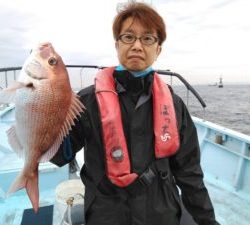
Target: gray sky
<point x="206" y="38"/>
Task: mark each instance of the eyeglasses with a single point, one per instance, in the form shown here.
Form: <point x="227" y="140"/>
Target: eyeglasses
<point x="147" y="39"/>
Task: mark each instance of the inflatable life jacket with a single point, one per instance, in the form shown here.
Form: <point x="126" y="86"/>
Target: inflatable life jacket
<point x="166" y="135"/>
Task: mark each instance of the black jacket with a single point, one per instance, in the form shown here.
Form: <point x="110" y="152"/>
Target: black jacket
<point x="159" y="202"/>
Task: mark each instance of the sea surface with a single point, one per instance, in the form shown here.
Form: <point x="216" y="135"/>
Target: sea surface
<point x="228" y="106"/>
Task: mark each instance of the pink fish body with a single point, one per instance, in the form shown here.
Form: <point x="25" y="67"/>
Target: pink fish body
<point x="45" y="109"/>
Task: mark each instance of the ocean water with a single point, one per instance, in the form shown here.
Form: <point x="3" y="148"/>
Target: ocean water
<point x="228" y="106"/>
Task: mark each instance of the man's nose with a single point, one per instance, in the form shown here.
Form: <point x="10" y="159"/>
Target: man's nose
<point x="137" y="44"/>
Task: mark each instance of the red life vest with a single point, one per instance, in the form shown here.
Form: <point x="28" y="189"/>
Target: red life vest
<point x="166" y="134"/>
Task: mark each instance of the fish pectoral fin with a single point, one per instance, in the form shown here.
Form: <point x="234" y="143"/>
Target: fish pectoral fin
<point x="8" y="95"/>
<point x="74" y="111"/>
<point x="14" y="141"/>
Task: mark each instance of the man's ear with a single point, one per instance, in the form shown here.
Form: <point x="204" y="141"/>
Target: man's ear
<point x="159" y="50"/>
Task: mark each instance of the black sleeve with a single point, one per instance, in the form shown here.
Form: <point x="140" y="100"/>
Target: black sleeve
<point x="187" y="171"/>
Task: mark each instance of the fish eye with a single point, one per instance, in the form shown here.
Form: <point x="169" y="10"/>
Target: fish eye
<point x="52" y="61"/>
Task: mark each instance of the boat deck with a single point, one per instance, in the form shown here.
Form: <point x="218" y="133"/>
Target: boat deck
<point x="230" y="209"/>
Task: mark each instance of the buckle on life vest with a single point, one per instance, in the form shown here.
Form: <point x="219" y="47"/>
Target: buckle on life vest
<point x="147" y="177"/>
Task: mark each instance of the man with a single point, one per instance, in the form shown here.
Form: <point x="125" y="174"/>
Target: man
<point x="139" y="140"/>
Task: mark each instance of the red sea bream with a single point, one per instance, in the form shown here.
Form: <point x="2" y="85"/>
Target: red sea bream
<point x="45" y="110"/>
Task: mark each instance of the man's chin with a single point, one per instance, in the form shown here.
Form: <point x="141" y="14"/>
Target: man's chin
<point x="136" y="68"/>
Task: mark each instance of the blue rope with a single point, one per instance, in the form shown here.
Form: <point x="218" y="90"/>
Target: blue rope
<point x="67" y="149"/>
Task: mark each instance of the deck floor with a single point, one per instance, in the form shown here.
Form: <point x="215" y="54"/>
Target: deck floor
<point x="230" y="209"/>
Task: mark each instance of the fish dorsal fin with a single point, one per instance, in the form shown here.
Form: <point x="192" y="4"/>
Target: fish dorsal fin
<point x="74" y="111"/>
<point x="8" y="95"/>
<point x="14" y="141"/>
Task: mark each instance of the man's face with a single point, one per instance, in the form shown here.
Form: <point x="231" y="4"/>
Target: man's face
<point x="136" y="56"/>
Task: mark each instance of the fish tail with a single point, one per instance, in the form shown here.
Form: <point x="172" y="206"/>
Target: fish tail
<point x="30" y="183"/>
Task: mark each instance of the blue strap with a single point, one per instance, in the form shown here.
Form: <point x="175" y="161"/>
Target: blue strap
<point x="67" y="149"/>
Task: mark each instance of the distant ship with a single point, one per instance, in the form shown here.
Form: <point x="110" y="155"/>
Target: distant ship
<point x="220" y="84"/>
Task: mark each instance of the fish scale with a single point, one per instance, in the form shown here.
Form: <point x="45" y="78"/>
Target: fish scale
<point x="37" y="126"/>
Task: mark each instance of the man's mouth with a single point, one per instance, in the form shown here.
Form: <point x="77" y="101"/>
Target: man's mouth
<point x="136" y="57"/>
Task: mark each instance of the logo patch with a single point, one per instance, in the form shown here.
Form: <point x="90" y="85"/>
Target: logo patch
<point x="165" y="137"/>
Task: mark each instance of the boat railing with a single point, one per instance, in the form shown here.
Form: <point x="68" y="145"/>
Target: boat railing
<point x="187" y="85"/>
<point x="10" y="74"/>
